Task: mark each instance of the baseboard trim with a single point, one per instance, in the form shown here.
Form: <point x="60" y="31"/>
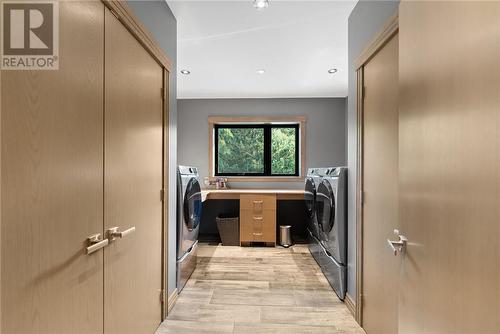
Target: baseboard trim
<point x="351" y="305"/>
<point x="172" y="298"/>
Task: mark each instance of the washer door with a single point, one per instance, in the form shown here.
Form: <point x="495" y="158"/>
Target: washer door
<point x="325" y="206"/>
<point x="310" y="197"/>
<point x="192" y="204"/>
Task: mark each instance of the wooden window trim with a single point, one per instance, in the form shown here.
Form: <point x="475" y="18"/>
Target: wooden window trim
<point x="212" y="120"/>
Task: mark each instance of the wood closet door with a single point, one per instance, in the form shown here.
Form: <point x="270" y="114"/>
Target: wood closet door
<point x="380" y="186"/>
<point x="133" y="180"/>
<point x="450" y="166"/>
<point x="52" y="172"/>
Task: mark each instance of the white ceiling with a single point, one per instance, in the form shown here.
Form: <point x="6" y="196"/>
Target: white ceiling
<point x="224" y="43"/>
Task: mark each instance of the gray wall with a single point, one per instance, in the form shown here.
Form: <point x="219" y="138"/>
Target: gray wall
<point x="325" y="129"/>
<point x="159" y="20"/>
<point x="366" y="19"/>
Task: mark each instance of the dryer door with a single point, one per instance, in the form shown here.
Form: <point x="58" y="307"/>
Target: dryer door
<point x="310" y="202"/>
<point x="325" y="206"/>
<point x="192" y="204"/>
<point x="310" y="197"/>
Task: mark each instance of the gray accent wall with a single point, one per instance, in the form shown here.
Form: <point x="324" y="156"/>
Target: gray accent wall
<point x="325" y="130"/>
<point x="367" y="18"/>
<point x="160" y="21"/>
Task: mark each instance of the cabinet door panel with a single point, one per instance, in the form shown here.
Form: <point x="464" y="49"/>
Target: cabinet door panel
<point x="133" y="179"/>
<point x="380" y="186"/>
<point x="52" y="172"/>
<point x="450" y="166"/>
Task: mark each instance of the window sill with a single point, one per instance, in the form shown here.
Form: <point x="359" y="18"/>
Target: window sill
<point x="264" y="178"/>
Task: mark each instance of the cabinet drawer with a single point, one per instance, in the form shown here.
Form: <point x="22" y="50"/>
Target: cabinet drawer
<point x="258" y="227"/>
<point x="258" y="203"/>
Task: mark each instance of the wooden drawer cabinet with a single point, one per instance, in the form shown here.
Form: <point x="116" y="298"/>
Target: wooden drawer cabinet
<point x="258" y="218"/>
<point x="258" y="203"/>
<point x="258" y="227"/>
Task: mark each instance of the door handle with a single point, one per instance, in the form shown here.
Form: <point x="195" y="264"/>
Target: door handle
<point x="398" y="246"/>
<point x="113" y="233"/>
<point x="96" y="242"/>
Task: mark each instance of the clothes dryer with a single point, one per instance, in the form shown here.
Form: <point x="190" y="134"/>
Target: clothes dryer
<point x="189" y="204"/>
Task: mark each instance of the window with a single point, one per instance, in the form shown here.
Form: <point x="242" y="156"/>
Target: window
<point x="257" y="149"/>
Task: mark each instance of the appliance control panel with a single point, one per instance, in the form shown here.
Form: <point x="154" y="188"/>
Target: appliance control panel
<point x="330" y="172"/>
<point x="187" y="170"/>
<point x="334" y="172"/>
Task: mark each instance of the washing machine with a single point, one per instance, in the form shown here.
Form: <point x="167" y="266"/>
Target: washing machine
<point x="189" y="205"/>
<point x="331" y="213"/>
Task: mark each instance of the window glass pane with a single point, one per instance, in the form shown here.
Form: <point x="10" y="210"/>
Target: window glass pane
<point x="283" y="151"/>
<point x="241" y="150"/>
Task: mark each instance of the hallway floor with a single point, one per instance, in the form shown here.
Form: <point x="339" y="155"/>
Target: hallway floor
<point x="258" y="290"/>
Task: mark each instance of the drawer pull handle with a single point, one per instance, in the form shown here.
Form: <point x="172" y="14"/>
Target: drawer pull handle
<point x="258" y="218"/>
<point x="258" y="202"/>
<point x="96" y="242"/>
<point x="257" y="234"/>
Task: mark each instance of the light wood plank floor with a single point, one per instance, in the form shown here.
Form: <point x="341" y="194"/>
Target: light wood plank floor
<point x="258" y="290"/>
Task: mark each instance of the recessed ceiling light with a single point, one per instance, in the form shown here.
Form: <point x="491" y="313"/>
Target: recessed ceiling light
<point x="261" y="71"/>
<point x="185" y="72"/>
<point x="260" y="4"/>
<point x="332" y="70"/>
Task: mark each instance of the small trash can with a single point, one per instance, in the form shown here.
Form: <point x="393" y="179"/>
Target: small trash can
<point x="285" y="236"/>
<point x="229" y="230"/>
